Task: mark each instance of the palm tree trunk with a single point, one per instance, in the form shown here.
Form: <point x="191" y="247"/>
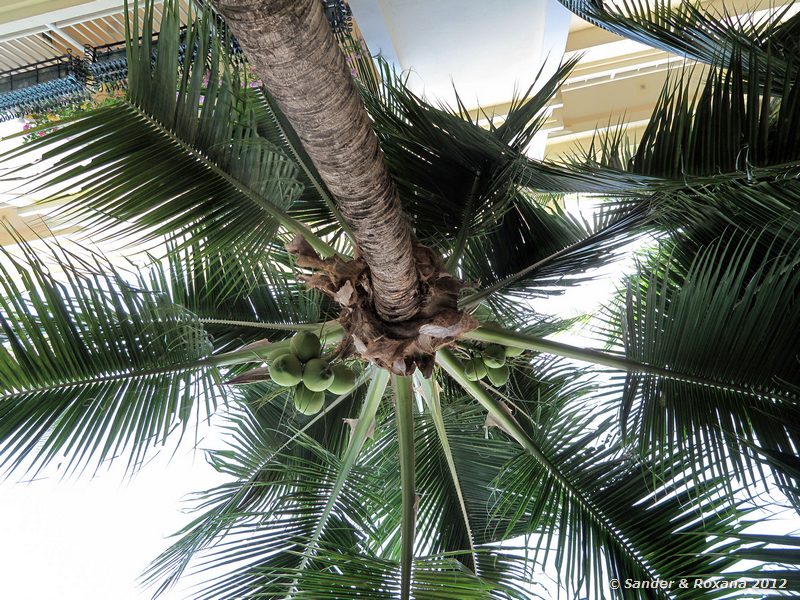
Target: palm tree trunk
<point x="291" y="46"/>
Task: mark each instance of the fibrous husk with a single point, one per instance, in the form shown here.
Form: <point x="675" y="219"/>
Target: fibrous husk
<point x="401" y="347"/>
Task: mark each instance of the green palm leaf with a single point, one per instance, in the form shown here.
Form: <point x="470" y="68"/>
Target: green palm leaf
<point x="731" y="321"/>
<point x="730" y="122"/>
<point x="690" y="30"/>
<point x="240" y="298"/>
<point x="283" y="475"/>
<point x="261" y="527"/>
<point x="698" y="219"/>
<point x="538" y="250"/>
<point x="674" y="533"/>
<point x="268" y="442"/>
<point x="596" y="513"/>
<point x="93" y="366"/>
<point x="457" y="178"/>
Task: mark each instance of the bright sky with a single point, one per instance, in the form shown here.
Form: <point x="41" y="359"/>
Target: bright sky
<point x="89" y="539"/>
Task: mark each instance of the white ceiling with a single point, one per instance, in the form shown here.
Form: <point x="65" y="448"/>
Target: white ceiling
<point x="487" y="49"/>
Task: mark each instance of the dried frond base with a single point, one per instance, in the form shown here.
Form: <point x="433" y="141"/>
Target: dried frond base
<point x="399" y="347"/>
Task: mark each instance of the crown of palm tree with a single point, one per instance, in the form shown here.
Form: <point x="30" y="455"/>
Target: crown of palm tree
<point x="647" y="460"/>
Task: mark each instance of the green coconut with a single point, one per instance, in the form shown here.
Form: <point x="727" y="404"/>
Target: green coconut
<point x="305" y="345"/>
<point x="317" y="375"/>
<point x="344" y="379"/>
<point x="308" y="402"/>
<point x="494" y="356"/>
<point x="474" y="369"/>
<point x="498" y="376"/>
<point x="276" y="354"/>
<point x="511" y="351"/>
<point x="286" y="370"/>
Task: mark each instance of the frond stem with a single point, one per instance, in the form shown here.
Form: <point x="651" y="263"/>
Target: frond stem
<point x="597" y="357"/>
<point x="404" y="401"/>
<point x="358" y="438"/>
<point x="430" y="393"/>
<point x="473" y="300"/>
<point x="258" y="325"/>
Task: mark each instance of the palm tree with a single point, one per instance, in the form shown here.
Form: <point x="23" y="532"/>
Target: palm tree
<point x="647" y="460"/>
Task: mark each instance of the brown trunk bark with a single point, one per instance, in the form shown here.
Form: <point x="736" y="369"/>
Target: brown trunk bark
<point x="291" y="46"/>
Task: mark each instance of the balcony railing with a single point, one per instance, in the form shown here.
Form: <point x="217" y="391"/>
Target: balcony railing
<point x="70" y="80"/>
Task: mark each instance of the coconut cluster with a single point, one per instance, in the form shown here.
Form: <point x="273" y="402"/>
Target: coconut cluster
<point x="302" y="367"/>
<point x="491" y="363"/>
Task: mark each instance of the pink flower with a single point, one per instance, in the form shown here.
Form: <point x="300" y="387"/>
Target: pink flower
<point x="26" y="127"/>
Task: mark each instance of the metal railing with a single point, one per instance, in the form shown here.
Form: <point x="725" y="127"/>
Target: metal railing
<point x="70" y="80"/>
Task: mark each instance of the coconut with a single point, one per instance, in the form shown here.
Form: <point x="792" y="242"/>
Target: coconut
<point x="286" y="370"/>
<point x="343" y="379"/>
<point x="494" y="356"/>
<point x="511" y="351"/>
<point x="276" y="354"/>
<point x="307" y="401"/>
<point x="305" y="345"/>
<point x="498" y="376"/>
<point x="474" y="369"/>
<point x="317" y="375"/>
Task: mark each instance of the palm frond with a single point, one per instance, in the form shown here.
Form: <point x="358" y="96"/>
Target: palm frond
<point x="457" y="178"/>
<point x="690" y="30"/>
<point x="698" y="219"/>
<point x="276" y="461"/>
<point x="673" y="524"/>
<point x="93" y="366"/>
<point x="460" y="535"/>
<point x="538" y="250"/>
<point x="459" y="457"/>
<point x="256" y="535"/>
<point x="598" y="515"/>
<point x="404" y="416"/>
<point x="729" y="123"/>
<point x="342" y="573"/>
<point x="239" y="298"/>
<point x="731" y="320"/>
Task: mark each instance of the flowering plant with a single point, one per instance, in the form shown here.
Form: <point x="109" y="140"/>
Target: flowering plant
<point x="37" y="122"/>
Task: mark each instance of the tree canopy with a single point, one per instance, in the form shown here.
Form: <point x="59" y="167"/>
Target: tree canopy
<point x="494" y="451"/>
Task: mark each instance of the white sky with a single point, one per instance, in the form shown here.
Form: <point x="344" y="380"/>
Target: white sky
<point x="90" y="538"/>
